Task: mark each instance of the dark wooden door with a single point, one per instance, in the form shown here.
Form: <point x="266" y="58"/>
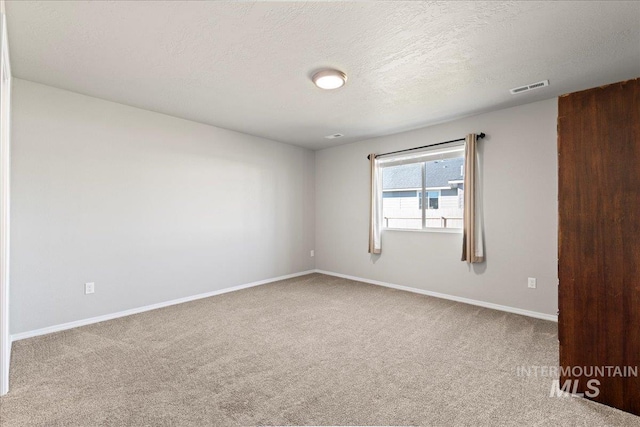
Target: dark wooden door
<point x="599" y="240"/>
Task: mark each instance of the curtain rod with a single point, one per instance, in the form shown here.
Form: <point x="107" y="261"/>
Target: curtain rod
<point x="479" y="136"/>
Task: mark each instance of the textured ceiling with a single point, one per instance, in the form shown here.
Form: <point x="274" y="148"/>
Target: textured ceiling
<point x="246" y="66"/>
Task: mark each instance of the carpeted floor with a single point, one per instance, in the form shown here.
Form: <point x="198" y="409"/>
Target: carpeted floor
<point x="312" y="350"/>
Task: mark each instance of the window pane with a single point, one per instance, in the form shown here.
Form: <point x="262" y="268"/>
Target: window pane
<point x="433" y="199"/>
<point x="401" y="190"/>
<point x="445" y="192"/>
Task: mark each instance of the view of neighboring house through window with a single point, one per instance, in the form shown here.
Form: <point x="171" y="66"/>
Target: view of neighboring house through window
<point x="434" y="177"/>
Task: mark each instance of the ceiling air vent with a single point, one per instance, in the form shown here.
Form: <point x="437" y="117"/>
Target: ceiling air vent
<point x="334" y="136"/>
<point x="527" y="88"/>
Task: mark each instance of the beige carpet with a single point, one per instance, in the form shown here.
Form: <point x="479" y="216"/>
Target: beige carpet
<point x="312" y="350"/>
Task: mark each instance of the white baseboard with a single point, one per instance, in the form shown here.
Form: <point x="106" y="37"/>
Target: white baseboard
<point x="97" y="319"/>
<point x="4" y="386"/>
<point x="491" y="305"/>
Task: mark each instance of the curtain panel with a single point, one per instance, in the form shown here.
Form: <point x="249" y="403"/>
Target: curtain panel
<point x="472" y="235"/>
<point x="375" y="206"/>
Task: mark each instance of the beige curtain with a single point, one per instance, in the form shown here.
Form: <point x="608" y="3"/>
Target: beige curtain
<point x="375" y="206"/>
<point x="472" y="237"/>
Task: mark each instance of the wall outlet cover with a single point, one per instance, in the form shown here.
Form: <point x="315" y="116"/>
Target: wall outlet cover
<point x="89" y="288"/>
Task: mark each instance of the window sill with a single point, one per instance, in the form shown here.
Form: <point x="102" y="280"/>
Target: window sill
<point x="428" y="230"/>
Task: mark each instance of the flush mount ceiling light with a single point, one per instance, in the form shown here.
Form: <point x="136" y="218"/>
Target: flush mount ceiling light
<point x="329" y="79"/>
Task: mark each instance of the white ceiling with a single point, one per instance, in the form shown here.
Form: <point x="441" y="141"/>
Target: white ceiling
<point x="246" y="66"/>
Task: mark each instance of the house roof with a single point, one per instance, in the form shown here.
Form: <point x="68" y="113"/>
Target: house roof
<point x="439" y="173"/>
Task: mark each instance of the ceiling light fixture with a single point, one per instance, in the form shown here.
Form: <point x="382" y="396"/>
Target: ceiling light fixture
<point x="329" y="79"/>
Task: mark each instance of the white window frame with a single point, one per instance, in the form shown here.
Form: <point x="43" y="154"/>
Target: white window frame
<point x="448" y="152"/>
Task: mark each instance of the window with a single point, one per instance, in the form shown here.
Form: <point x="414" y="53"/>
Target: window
<point x="434" y="176"/>
<point x="433" y="199"/>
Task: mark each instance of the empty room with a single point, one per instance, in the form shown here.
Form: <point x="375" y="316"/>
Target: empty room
<point x="390" y="213"/>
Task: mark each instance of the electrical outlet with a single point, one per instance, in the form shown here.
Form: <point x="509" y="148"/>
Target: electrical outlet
<point x="89" y="288"/>
<point x="312" y="253"/>
<point x="531" y="282"/>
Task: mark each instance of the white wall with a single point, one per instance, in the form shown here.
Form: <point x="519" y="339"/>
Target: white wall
<point x="5" y="199"/>
<point x="520" y="200"/>
<point x="153" y="208"/>
<point x="149" y="207"/>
